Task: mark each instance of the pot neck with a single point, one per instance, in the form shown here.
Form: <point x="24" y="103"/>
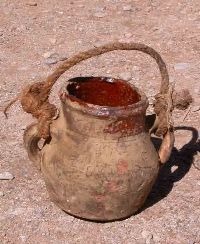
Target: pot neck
<point x="106" y="123"/>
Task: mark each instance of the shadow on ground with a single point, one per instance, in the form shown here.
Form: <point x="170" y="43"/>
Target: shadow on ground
<point x="182" y="159"/>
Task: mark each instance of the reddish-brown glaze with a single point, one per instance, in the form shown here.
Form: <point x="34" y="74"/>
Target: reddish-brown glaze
<point x="128" y="126"/>
<point x="121" y="125"/>
<point x="101" y="92"/>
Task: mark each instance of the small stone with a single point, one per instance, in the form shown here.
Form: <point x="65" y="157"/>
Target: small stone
<point x="22" y="68"/>
<point x="100" y="9"/>
<point x="151" y="92"/>
<point x="23" y="238"/>
<point x="52" y="58"/>
<point x="6" y="176"/>
<point x="1" y="193"/>
<point x="125" y="76"/>
<point x="47" y="54"/>
<point x="63" y="57"/>
<point x="51" y="61"/>
<point x="52" y="40"/>
<point x="32" y="4"/>
<point x="181" y="66"/>
<point x="23" y="127"/>
<point x="195" y="108"/>
<point x="174" y="168"/>
<point x="151" y="100"/>
<point x="145" y="233"/>
<point x="127" y="8"/>
<point x="128" y="35"/>
<point x="197" y="165"/>
<point x="153" y="4"/>
<point x="197" y="91"/>
<point x="135" y="68"/>
<point x="80" y="29"/>
<point x="148" y="237"/>
<point x="192" y="242"/>
<point x="100" y="14"/>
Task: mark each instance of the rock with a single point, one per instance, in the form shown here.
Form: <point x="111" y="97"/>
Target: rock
<point x="100" y="14"/>
<point x="151" y="100"/>
<point x="128" y="35"/>
<point x="135" y="68"/>
<point x="63" y="57"/>
<point x="52" y="40"/>
<point x="1" y="193"/>
<point x="100" y="9"/>
<point x="22" y="68"/>
<point x="151" y="92"/>
<point x="23" y="238"/>
<point x="32" y="4"/>
<point x="197" y="91"/>
<point x="197" y="161"/>
<point x="182" y="99"/>
<point x="181" y="66"/>
<point x="6" y="176"/>
<point x="47" y="54"/>
<point x="195" y="108"/>
<point x="125" y="76"/>
<point x="51" y="58"/>
<point x="127" y="8"/>
<point x="174" y="168"/>
<point x="79" y="28"/>
<point x="51" y="61"/>
<point x="148" y="237"/>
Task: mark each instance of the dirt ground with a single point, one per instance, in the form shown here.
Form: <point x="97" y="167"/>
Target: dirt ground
<point x="34" y="37"/>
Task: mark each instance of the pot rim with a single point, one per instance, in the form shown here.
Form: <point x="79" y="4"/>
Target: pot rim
<point x="103" y="111"/>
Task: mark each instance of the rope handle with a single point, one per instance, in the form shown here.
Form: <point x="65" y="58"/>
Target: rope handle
<point x="34" y="97"/>
<point x="66" y="65"/>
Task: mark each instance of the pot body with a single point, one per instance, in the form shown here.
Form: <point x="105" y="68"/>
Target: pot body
<point x="96" y="166"/>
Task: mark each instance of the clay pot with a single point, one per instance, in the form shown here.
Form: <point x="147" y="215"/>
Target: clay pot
<point x="99" y="162"/>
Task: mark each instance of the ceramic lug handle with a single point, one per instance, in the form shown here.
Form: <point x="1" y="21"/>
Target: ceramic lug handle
<point x="31" y="140"/>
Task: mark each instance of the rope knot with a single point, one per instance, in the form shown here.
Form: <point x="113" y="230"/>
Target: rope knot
<point x="34" y="100"/>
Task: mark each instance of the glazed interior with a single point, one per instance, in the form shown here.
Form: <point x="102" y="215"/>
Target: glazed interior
<point x="103" y="91"/>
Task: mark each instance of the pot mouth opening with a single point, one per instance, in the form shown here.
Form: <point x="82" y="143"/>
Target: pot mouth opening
<point x="102" y="91"/>
<point x="131" y="101"/>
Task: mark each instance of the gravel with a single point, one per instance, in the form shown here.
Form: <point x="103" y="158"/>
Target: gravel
<point x="195" y="108"/>
<point x="127" y="8"/>
<point x="181" y="66"/>
<point x="51" y="58"/>
<point x="99" y="15"/>
<point x="6" y="176"/>
<point x="33" y="4"/>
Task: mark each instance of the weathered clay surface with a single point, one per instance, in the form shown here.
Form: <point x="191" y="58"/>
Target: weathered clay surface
<point x="94" y="173"/>
<point x="27" y="34"/>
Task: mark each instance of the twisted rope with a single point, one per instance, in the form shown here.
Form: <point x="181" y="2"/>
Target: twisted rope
<point x="34" y="97"/>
